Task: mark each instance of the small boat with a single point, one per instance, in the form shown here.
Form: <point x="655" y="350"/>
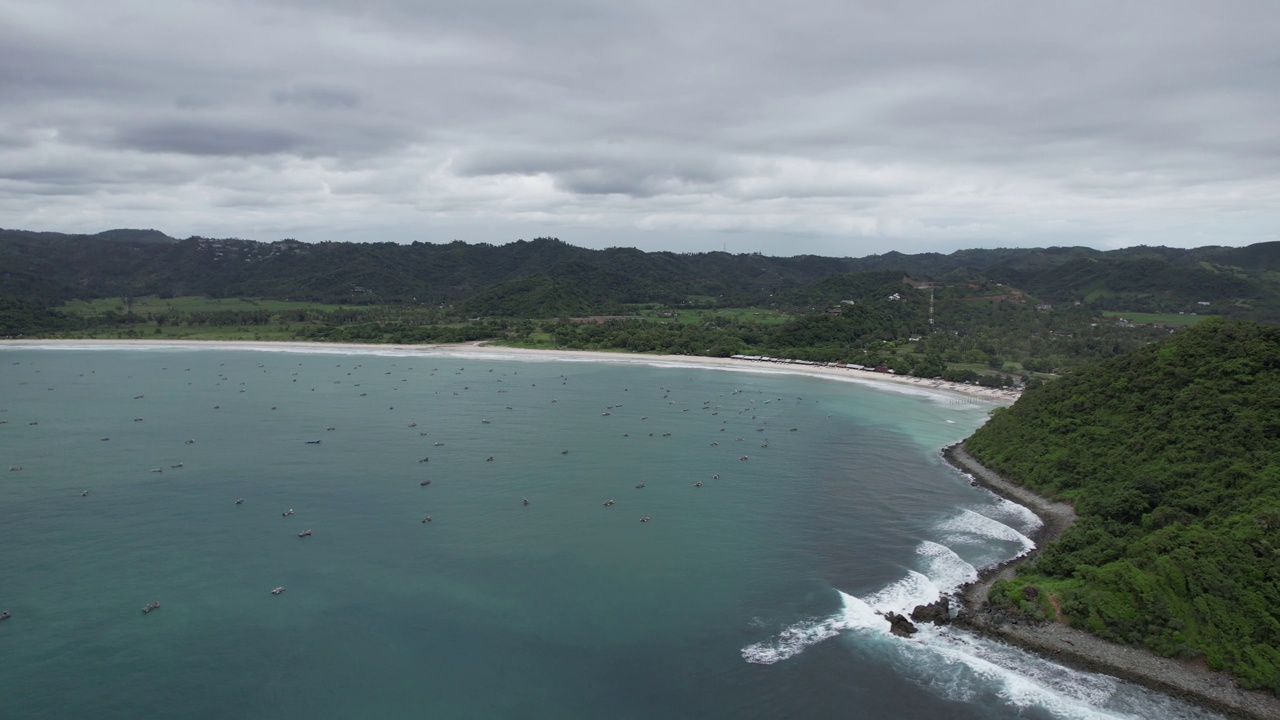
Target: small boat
<point x="426" y="519"/>
<point x="425" y="459"/>
<point x="287" y="513"/>
<point x="176" y="466"/>
<point x="644" y="518"/>
<point x="305" y="533"/>
<point x="239" y="501"/>
<point x="640" y="485"/>
<point x="698" y="484"/>
<point x="526" y="501"/>
<point x="278" y="590"/>
<point x="15" y="468"/>
<point x="157" y="469"/>
<point x="425" y="483"/>
<point x="489" y="459"/>
<point x="190" y="442"/>
<point x="607" y="503"/>
<point x="150" y="606"/>
<point x="84" y="494"/>
<point x="5" y="615"/>
<point x="313" y="442"/>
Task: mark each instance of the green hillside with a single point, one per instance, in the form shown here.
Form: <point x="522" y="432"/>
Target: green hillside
<point x="1171" y="456"/>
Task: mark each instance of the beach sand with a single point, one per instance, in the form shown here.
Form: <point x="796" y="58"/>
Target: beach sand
<point x="832" y="372"/>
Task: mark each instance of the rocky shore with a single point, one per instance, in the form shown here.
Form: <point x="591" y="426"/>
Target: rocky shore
<point x="1188" y="681"/>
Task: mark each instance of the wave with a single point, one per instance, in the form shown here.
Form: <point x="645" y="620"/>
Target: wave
<point x="959" y="665"/>
<point x="970" y="527"/>
<point x="942" y="571"/>
<point x="1011" y="513"/>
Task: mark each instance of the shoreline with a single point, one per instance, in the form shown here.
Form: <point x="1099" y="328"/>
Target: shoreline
<point x="483" y="347"/>
<point x="1188" y="681"/>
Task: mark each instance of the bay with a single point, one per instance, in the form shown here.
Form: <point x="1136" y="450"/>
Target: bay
<point x="752" y="594"/>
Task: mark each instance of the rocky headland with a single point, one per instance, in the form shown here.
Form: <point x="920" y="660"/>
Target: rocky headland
<point x="1187" y="680"/>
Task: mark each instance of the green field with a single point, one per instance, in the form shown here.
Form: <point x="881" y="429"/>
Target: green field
<point x="1169" y="319"/>
<point x="186" y="303"/>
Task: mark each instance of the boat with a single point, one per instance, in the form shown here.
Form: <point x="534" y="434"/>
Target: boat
<point x="425" y="483"/>
<point x="239" y="501"/>
<point x="305" y="533"/>
<point x="278" y="590"/>
<point x="287" y="513"/>
<point x="426" y="519"/>
<point x="150" y="606"/>
<point x="313" y="442"/>
<point x="5" y="615"/>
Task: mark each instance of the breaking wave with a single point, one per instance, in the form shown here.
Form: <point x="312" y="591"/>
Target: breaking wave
<point x="956" y="664"/>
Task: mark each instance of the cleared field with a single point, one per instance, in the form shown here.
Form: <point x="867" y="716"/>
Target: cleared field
<point x="1169" y="319"/>
<point x="757" y="315"/>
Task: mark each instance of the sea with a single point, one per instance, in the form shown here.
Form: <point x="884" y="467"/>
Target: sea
<point x="459" y="534"/>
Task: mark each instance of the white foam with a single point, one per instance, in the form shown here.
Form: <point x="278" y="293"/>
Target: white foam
<point x="947" y="570"/>
<point x="965" y="667"/>
<point x="793" y="640"/>
<point x="1012" y="514"/>
<point x="971" y="523"/>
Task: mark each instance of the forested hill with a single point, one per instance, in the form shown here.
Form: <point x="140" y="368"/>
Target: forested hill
<point x="1171" y="455"/>
<point x="547" y="278"/>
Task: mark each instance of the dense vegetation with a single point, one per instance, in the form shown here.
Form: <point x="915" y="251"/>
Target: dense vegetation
<point x="1171" y="456"/>
<point x="546" y="278"/>
<point x="989" y="316"/>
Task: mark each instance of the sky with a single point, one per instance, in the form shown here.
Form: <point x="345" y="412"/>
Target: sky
<point x="844" y="128"/>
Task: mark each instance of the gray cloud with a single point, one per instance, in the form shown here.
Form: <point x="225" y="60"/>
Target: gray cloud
<point x="824" y="126"/>
<point x="317" y="97"/>
<point x="208" y="139"/>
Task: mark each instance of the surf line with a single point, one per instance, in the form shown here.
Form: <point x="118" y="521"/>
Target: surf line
<point x="942" y="572"/>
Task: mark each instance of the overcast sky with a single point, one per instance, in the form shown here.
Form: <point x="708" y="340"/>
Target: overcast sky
<point x="836" y="128"/>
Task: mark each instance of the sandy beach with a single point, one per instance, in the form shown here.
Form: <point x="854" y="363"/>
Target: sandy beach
<point x="484" y="349"/>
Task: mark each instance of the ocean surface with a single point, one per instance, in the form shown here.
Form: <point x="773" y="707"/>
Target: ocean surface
<point x="783" y="512"/>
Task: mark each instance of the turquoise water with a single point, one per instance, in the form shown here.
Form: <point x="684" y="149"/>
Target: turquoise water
<point x="752" y="595"/>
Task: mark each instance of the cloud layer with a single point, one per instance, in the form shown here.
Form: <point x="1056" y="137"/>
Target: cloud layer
<point x="835" y="128"/>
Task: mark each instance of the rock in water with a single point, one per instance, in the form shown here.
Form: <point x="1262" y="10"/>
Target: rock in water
<point x="900" y="625"/>
<point x="937" y="612"/>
